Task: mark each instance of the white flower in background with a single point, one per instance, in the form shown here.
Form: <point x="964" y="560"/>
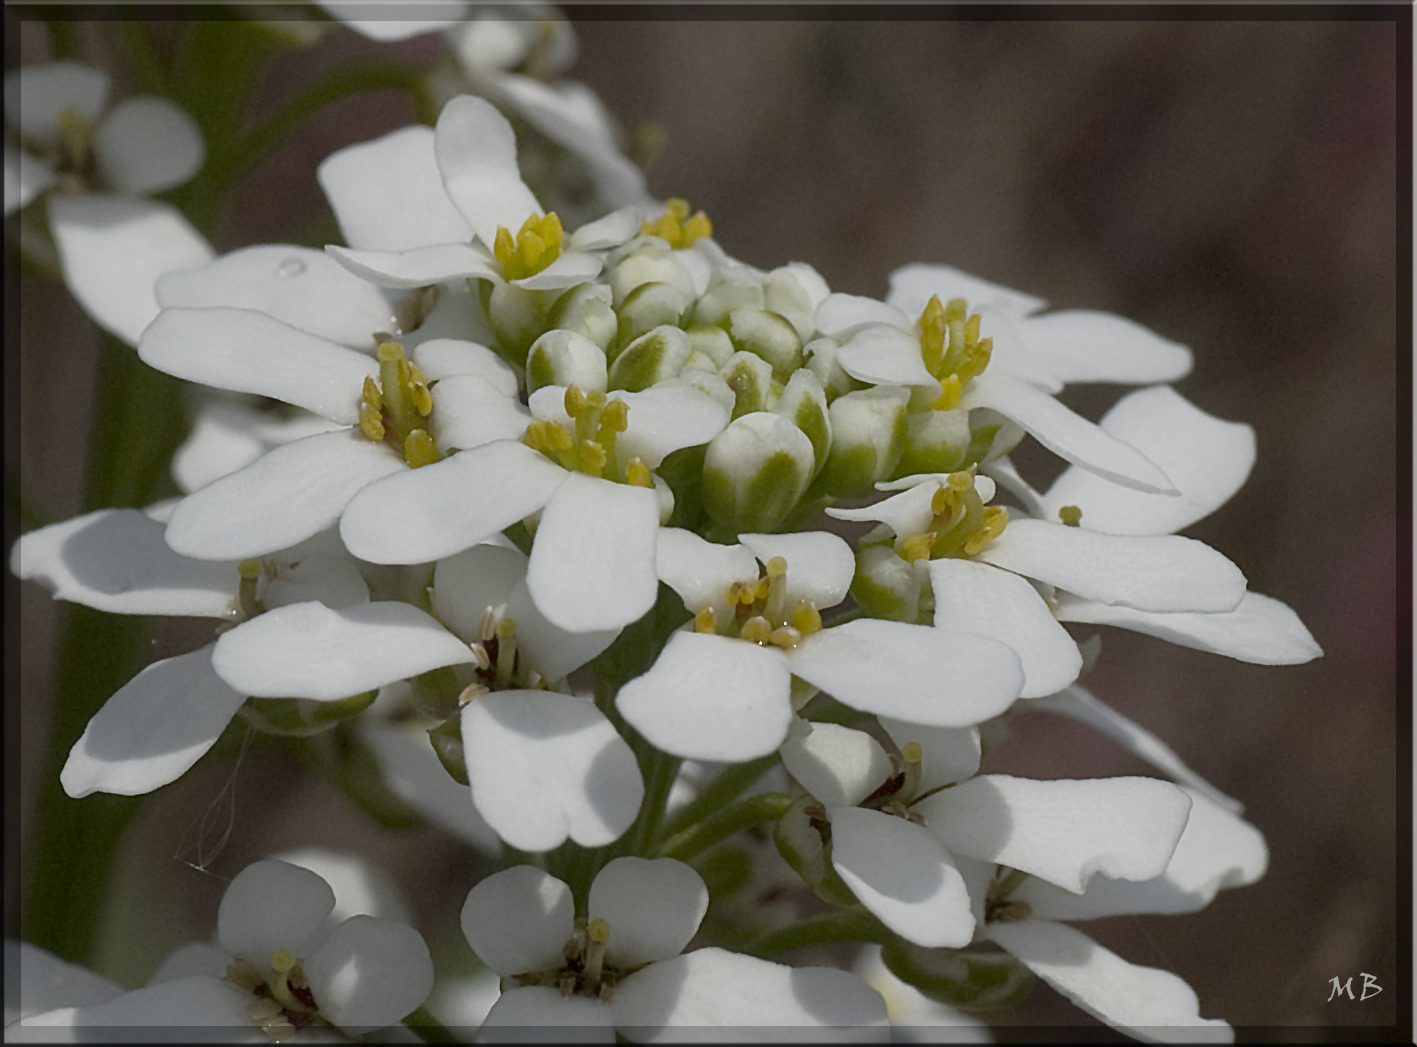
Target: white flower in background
<point x="286" y="970"/>
<point x="36" y="981"/>
<point x="623" y="970"/>
<point x="97" y="168"/>
<point x="722" y="688"/>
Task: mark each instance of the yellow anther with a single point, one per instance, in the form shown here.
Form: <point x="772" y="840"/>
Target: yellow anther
<point x="420" y="450"/>
<point x="678" y="207"/>
<point x="371" y="423"/>
<point x="807" y="619"/>
<point x="675" y="227"/>
<point x="283" y="961"/>
<point x="917" y="547"/>
<point x="598" y="930"/>
<point x="786" y="637"/>
<point x="536" y="245"/>
<point x="487" y="626"/>
<point x="503" y="246"/>
<point x="637" y="474"/>
<point x="471" y="693"/>
<point x="592" y="458"/>
<point x="776" y="567"/>
<point x="761" y="589"/>
<point x="739" y="593"/>
<point x="1071" y="515"/>
<point x="373" y="396"/>
<point x="479" y="653"/>
<point x="757" y="629"/>
<point x="697" y="227"/>
<point x="418" y="388"/>
<point x="575" y="401"/>
<point x="706" y="621"/>
<point x="950" y="390"/>
<point x="996" y="518"/>
<point x="614" y="418"/>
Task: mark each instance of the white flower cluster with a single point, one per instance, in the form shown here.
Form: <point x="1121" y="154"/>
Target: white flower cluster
<point x="561" y="501"/>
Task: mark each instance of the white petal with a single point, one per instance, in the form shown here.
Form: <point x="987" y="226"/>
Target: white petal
<point x="592" y="565"/>
<point x="701" y="571"/>
<point x="361" y="887"/>
<point x="906" y="514"/>
<point x="148" y="144"/>
<point x="115" y="560"/>
<point x="666" y="417"/>
<point x="546" y="767"/>
<point x="304" y="288"/>
<point x="153" y="728"/>
<point x="1217" y="850"/>
<point x="1084" y="345"/>
<point x="369" y="973"/>
<point x="477" y="156"/>
<point x="1147" y="572"/>
<point x="912" y="286"/>
<point x="1144" y="1002"/>
<point x="36" y="95"/>
<point x="549" y="649"/>
<point x="979" y="599"/>
<point x="912" y="672"/>
<point x="837" y="765"/>
<point x="741" y="998"/>
<point x="113" y="249"/>
<point x="653" y="908"/>
<point x="903" y="875"/>
<point x="308" y="650"/>
<point x="25" y="178"/>
<point x="948" y="754"/>
<point x="333" y="580"/>
<point x="983" y="485"/>
<point x="206" y="958"/>
<point x="711" y="698"/>
<point x="198" y="1009"/>
<point x="1206" y="459"/>
<point x="444" y="357"/>
<point x="885" y="356"/>
<point x="466" y="584"/>
<point x="842" y="315"/>
<point x="1261" y="630"/>
<point x="469" y="412"/>
<point x="460" y="502"/>
<point x="387" y="193"/>
<point x="1079" y="704"/>
<point x="271" y="905"/>
<point x="519" y="1013"/>
<point x="1062" y="831"/>
<point x="819" y="564"/>
<point x="417" y="266"/>
<point x="228" y="435"/>
<point x="46" y="982"/>
<point x="614" y="229"/>
<point x="249" y="352"/>
<point x="294" y="492"/>
<point x="1064" y="433"/>
<point x="517" y="920"/>
<point x="569" y="269"/>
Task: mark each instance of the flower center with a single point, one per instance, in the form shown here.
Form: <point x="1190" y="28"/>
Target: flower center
<point x="951" y="348"/>
<point x="675" y="227"/>
<point x="590" y="449"/>
<point x="536" y="245"/>
<point x="500" y="665"/>
<point x="962" y="525"/>
<point x="284" y="1002"/>
<point x="585" y="972"/>
<point x="762" y="611"/>
<point x="395" y="408"/>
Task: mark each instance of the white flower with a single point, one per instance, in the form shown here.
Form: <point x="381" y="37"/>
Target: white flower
<point x="721" y="690"/>
<point x="36" y="981"/>
<point x="113" y="244"/>
<point x="285" y="970"/>
<point x="915" y="1018"/>
<point x="622" y="971"/>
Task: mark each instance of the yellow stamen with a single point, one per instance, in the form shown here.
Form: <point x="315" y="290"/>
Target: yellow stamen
<point x="706" y="621"/>
<point x="996" y="517"/>
<point x="371" y="423"/>
<point x="1071" y="515"/>
<point x="916" y="547"/>
<point x="807" y="619"/>
<point x="757" y="629"/>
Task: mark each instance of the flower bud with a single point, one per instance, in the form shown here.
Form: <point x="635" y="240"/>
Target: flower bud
<point x="768" y="335"/>
<point x="868" y="432"/>
<point x="647" y="262"/>
<point x="886" y="585"/>
<point x="820" y="356"/>
<point x="562" y="357"/>
<point x="755" y="470"/>
<point x="298" y="717"/>
<point x="936" y="442"/>
<point x="515" y="317"/>
<point x="750" y="378"/>
<point x="712" y="342"/>
<point x="794" y="291"/>
<point x="651" y="358"/>
<point x="586" y="309"/>
<point x="971" y="979"/>
<point x="799" y="841"/>
<point x="804" y="404"/>
<point x="647" y="307"/>
<point x="730" y="288"/>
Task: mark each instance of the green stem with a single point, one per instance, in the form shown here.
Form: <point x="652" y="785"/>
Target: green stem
<point x="428" y="1028"/>
<point x="846" y="925"/>
<point x="722" y="791"/>
<point x="761" y="807"/>
<point x="660" y="770"/>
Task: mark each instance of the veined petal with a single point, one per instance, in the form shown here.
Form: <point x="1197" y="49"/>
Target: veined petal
<point x="912" y="285"/>
<point x="417" y="266"/>
<point x="653" y="907"/>
<point x="903" y="875"/>
<point x="592" y="565"/>
<point x="552" y="651"/>
<point x="1066" y="434"/>
<point x="913" y="672"/>
<point x="471" y="412"/>
<point x="369" y="973"/>
<point x="1261" y="630"/>
<point x="1218" y="850"/>
<point x="837" y="765"/>
<point x="548" y="767"/>
<point x="983" y="600"/>
<point x="520" y="1012"/>
<point x="115" y="560"/>
<point x="428" y="513"/>
<point x="387" y="194"/>
<point x="153" y="729"/>
<point x="249" y="352"/>
<point x="518" y="919"/>
<point x="1147" y="572"/>
<point x="711" y="698"/>
<point x="1205" y="458"/>
<point x="304" y="288"/>
<point x="292" y="493"/>
<point x="113" y="249"/>
<point x="308" y="650"/>
<point x="272" y="905"/>
<point x="885" y="356"/>
<point x="1085" y="345"/>
<point x="741" y="998"/>
<point x="148" y="144"/>
<point x="819" y="564"/>
<point x="1144" y="1002"/>
<point x="1062" y="831"/>
<point x="199" y="1009"/>
<point x="948" y="754"/>
<point x="36" y="95"/>
<point x="701" y="571"/>
<point x="477" y="157"/>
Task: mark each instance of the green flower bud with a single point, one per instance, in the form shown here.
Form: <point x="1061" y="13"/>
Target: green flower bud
<point x="447" y="743"/>
<point x="302" y="716"/>
<point x="804" y="404"/>
<point x="755" y="470"/>
<point x="650" y="358"/>
<point x="516" y="318"/>
<point x="820" y="354"/>
<point x="647" y="262"/>
<point x="713" y="342"/>
<point x="768" y="335"/>
<point x="936" y="442"/>
<point x="562" y="357"/>
<point x="729" y="289"/>
<point x="647" y="307"/>
<point x="868" y="432"/>
<point x="587" y="310"/>
<point x="750" y="378"/>
<point x="799" y="836"/>
<point x="972" y="979"/>
<point x="887" y="585"/>
<point x="794" y="291"/>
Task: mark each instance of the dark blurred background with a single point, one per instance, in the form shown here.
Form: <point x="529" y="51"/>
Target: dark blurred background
<point x="1231" y="184"/>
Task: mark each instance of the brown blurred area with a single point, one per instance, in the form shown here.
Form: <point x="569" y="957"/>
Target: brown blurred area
<point x="1231" y="184"/>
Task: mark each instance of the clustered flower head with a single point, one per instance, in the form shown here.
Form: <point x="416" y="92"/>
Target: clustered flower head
<point x="582" y="526"/>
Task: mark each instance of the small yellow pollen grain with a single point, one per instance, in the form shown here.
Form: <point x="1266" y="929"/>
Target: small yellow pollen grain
<point x="373" y="395"/>
<point x="706" y="621"/>
<point x="911" y="752"/>
<point x="371" y="423"/>
<point x="598" y="930"/>
<point x="1071" y="515"/>
<point x="756" y="629"/>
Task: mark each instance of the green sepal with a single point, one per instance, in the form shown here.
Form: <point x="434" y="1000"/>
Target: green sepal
<point x="299" y="717"/>
<point x="869" y="429"/>
<point x="804" y="404"/>
<point x="804" y="841"/>
<point x="447" y="743"/>
<point x="768" y="335"/>
<point x="936" y="442"/>
<point x="755" y="471"/>
<point x="682" y="471"/>
<point x="586" y="309"/>
<point x="515" y="316"/>
<point x="972" y="979"/>
<point x="886" y="585"/>
<point x="653" y="357"/>
<point x="750" y="378"/>
<point x="645" y="308"/>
